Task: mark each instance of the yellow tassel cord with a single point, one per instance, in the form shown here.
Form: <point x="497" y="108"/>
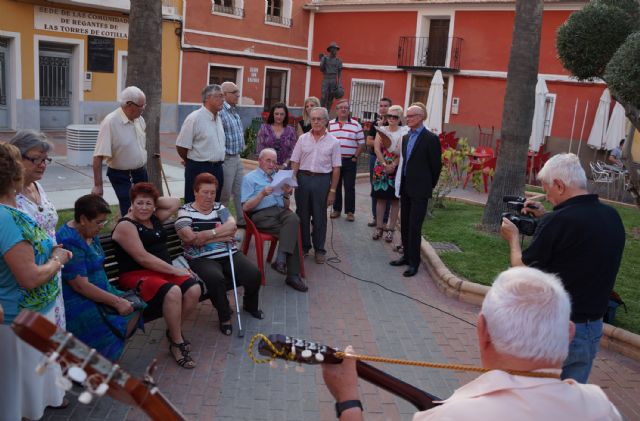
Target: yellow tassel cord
<point x="459" y="367"/>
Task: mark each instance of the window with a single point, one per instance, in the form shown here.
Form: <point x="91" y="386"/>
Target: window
<point x="228" y="7"/>
<point x="275" y="88"/>
<point x="364" y="98"/>
<point x="549" y="109"/>
<point x="218" y="74"/>
<point x="278" y="12"/>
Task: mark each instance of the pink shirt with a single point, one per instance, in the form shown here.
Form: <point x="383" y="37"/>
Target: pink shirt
<point x="320" y="155"/>
<point x="497" y="395"/>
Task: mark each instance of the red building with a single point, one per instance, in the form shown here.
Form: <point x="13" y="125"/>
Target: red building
<point x="393" y="48"/>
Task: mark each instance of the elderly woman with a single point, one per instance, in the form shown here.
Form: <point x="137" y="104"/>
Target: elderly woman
<point x="31" y="197"/>
<point x="29" y="265"/>
<point x="86" y="286"/>
<point x="387" y="145"/>
<point x="145" y="263"/>
<point x="304" y="125"/>
<point x="207" y="229"/>
<point x="278" y="135"/>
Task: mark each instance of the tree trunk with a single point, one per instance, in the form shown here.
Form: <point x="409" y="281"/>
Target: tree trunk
<point x="517" y="115"/>
<point x="144" y="61"/>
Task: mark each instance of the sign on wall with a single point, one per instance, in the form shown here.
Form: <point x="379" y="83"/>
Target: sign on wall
<point x="100" y="54"/>
<point x="82" y="23"/>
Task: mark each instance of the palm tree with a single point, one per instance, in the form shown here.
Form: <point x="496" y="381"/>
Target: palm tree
<point x="144" y="62"/>
<point x="517" y="114"/>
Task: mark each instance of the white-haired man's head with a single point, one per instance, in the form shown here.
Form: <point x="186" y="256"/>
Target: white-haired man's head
<point x="131" y="94"/>
<point x="526" y="315"/>
<point x="268" y="160"/>
<point x="565" y="167"/>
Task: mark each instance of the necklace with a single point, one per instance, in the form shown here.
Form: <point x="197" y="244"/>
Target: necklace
<point x="30" y="193"/>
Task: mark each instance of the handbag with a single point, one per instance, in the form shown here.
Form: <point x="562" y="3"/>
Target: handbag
<point x="138" y="304"/>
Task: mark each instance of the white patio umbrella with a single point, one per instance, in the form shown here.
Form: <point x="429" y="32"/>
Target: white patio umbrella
<point x="434" y="103"/>
<point x="537" y="126"/>
<point x="615" y="130"/>
<point x="599" y="128"/>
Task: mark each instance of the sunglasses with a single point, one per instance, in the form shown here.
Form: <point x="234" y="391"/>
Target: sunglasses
<point x="38" y="161"/>
<point x="393" y="117"/>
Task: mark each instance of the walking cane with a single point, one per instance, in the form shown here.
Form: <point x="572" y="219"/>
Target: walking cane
<point x="235" y="291"/>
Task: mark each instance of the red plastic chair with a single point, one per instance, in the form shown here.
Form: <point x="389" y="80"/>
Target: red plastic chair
<point x="260" y="238"/>
<point x="485" y="167"/>
<point x="485" y="136"/>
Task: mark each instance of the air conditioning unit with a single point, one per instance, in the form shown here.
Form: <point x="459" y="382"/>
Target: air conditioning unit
<point x="169" y="10"/>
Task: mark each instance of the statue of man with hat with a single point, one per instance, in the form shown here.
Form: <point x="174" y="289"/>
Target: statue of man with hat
<point x="331" y="68"/>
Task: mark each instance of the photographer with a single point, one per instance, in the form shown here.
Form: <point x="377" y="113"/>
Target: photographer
<point x="582" y="242"/>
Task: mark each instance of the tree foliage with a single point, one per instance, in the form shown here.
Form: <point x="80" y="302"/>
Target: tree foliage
<point x="590" y="37"/>
<point x="623" y="71"/>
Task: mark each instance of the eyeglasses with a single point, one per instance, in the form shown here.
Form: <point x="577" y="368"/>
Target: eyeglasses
<point x="317" y="118"/>
<point x="102" y="224"/>
<point x="393" y="117"/>
<point x="232" y="92"/>
<point x="413" y="115"/>
<point x="38" y="161"/>
<point x="143" y="106"/>
<point x="342" y="108"/>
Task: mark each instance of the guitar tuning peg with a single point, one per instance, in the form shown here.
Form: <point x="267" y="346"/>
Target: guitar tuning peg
<point x="85" y="397"/>
<point x="41" y="368"/>
<point x="319" y="357"/>
<point x="77" y="374"/>
<point x="299" y="368"/>
<point x="64" y="383"/>
<point x="273" y="364"/>
<point x="306" y="353"/>
<point x="101" y="390"/>
<point x="103" y="387"/>
<point x="54" y="356"/>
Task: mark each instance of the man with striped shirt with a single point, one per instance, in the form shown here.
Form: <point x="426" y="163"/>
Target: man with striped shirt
<point x="351" y="136"/>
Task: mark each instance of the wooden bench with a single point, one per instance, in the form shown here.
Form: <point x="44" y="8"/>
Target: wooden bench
<point x="111" y="264"/>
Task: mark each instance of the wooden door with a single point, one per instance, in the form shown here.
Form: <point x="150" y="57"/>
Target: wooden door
<point x="438" y="42"/>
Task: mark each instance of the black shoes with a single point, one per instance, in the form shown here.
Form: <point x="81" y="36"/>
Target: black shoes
<point x="411" y="270"/>
<point x="257" y="314"/>
<point x="399" y="262"/>
<point x="296" y="283"/>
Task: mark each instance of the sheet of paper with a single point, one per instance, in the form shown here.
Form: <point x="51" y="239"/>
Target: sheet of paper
<point x="281" y="178"/>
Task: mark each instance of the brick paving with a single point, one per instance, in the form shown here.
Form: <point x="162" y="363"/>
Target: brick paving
<point x="338" y="310"/>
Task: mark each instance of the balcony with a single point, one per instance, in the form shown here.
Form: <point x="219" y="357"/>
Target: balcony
<point x="280" y="20"/>
<point x="227" y="10"/>
<point x="423" y="53"/>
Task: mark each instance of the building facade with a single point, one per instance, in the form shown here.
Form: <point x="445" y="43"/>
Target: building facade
<point x="64" y="62"/>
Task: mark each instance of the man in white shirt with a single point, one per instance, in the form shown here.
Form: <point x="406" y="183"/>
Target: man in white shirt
<point x="200" y="142"/>
<point x="523" y="327"/>
<point x="121" y="141"/>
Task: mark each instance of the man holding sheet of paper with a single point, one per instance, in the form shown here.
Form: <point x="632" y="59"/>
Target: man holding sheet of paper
<point x="265" y="198"/>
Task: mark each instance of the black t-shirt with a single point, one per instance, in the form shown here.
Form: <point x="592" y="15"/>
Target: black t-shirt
<point x="154" y="240"/>
<point x="305" y="127"/>
<point x="581" y="241"/>
<point x="372" y="131"/>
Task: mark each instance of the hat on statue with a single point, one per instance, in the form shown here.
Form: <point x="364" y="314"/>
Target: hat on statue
<point x="333" y="45"/>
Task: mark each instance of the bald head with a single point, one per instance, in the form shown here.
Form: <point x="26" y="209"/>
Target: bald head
<point x="231" y="93"/>
<point x="415" y="116"/>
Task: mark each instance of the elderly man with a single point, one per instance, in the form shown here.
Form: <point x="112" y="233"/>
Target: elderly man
<point x="200" y="142"/>
<point x="234" y="145"/>
<point x="380" y="119"/>
<point x="582" y="242"/>
<point x="523" y="326"/>
<point x="121" y="140"/>
<point x="418" y="174"/>
<point x="351" y="137"/>
<point x="270" y="213"/>
<point x="316" y="162"/>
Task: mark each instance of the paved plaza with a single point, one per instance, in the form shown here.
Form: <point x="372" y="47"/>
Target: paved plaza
<point x="338" y="310"/>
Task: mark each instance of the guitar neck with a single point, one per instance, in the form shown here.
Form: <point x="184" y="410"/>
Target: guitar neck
<point x="156" y="406"/>
<point x="418" y="398"/>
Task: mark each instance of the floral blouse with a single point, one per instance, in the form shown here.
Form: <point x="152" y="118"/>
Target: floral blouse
<point x="283" y="145"/>
<point x="44" y="213"/>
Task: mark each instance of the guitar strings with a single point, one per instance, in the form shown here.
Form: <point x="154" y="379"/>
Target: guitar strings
<point x="336" y="259"/>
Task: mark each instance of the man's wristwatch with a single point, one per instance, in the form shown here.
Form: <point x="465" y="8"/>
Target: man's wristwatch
<point x="343" y="406"/>
<point x="213" y="232"/>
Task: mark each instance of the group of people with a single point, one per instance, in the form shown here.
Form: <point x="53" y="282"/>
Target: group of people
<point x="530" y="320"/>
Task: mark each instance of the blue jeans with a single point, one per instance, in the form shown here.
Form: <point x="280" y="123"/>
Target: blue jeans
<point x="582" y="351"/>
<point x="372" y="164"/>
<point x="121" y="181"/>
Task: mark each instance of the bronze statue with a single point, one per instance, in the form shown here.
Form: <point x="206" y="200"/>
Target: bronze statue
<point x="331" y="68"/>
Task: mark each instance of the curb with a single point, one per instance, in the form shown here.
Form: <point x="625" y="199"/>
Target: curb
<point x="613" y="338"/>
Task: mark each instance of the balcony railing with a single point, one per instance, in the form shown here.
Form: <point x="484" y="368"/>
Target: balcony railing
<point x="426" y="53"/>
<point x="280" y="20"/>
<point x="227" y="10"/>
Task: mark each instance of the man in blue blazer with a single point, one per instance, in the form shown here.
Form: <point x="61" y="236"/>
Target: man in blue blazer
<point x="420" y="170"/>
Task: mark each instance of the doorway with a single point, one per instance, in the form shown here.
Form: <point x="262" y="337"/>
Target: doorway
<point x="4" y="94"/>
<point x="275" y="88"/>
<point x="55" y="83"/>
<point x="438" y="42"/>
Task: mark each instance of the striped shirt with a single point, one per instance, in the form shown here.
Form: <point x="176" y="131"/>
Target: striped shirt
<point x="349" y="134"/>
<point x="233" y="131"/>
<point x="189" y="217"/>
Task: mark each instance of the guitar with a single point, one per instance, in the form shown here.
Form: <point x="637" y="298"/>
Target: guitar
<point x="97" y="374"/>
<point x="302" y="351"/>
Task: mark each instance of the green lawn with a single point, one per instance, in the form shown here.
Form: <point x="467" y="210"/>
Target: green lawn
<point x="485" y="255"/>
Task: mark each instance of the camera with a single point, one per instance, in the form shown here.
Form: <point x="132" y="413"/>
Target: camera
<point x="526" y="224"/>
